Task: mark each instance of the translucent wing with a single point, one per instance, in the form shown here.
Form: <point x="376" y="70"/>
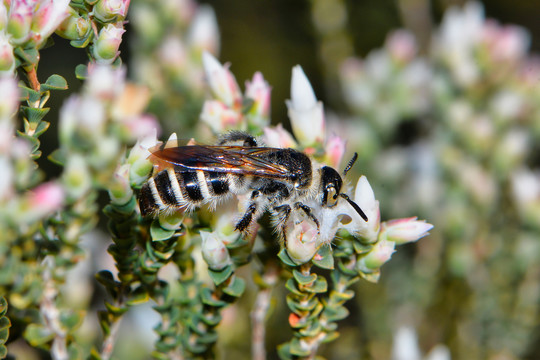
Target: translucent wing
<point x="227" y="159"/>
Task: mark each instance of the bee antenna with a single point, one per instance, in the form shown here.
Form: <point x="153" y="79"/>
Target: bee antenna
<point x="355" y="206"/>
<point x="350" y="164"/>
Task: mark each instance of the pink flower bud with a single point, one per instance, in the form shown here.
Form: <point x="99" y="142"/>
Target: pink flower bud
<point x="105" y="82"/>
<point x="278" y="137"/>
<point x="20" y="19"/>
<point x="141" y="167"/>
<point x="74" y="27"/>
<point x="380" y="253"/>
<point x="120" y="191"/>
<point x="305" y="112"/>
<point x="111" y="10"/>
<point x="402" y="231"/>
<point x="45" y="199"/>
<point x="401" y="45"/>
<point x="222" y="82"/>
<point x="302" y="241"/>
<point x="48" y="16"/>
<point x="214" y="251"/>
<point x="203" y="34"/>
<point x="9" y="101"/>
<point x="106" y="46"/>
<point x="334" y="150"/>
<point x="258" y="90"/>
<point x="221" y="118"/>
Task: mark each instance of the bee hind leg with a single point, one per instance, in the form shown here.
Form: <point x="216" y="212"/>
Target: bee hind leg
<point x="251" y="213"/>
<point x="235" y="137"/>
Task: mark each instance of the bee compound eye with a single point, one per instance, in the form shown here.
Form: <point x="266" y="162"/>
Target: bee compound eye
<point x="332" y="195"/>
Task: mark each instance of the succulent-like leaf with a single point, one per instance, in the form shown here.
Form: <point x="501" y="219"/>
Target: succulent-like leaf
<point x="55" y="82"/>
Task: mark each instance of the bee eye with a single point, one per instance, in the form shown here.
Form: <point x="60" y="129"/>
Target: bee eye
<point x="331" y="197"/>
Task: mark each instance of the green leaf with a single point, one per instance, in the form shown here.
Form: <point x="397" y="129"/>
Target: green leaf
<point x="71" y="320"/>
<point x="284" y="256"/>
<point x="360" y="248"/>
<point x="82" y="43"/>
<point x="320" y="286"/>
<point x="4" y="324"/>
<point x="291" y="285"/>
<point x="54" y="82"/>
<point x="236" y="288"/>
<point x="81" y="72"/>
<point x="284" y="351"/>
<point x="3" y="306"/>
<point x="58" y="157"/>
<point x="138" y="296"/>
<point x="158" y="233"/>
<point x="28" y="94"/>
<point x="37" y="334"/>
<point x="336" y="313"/>
<point x="304" y="279"/>
<point x="114" y="309"/>
<point x="324" y="258"/>
<point x="218" y="277"/>
<point x="207" y="297"/>
<point x="29" y="56"/>
<point x="106" y="278"/>
<point x="3" y="351"/>
<point x="34" y="115"/>
<point x="297" y="349"/>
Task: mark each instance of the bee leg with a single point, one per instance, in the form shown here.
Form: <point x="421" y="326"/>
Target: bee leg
<point x="243" y="224"/>
<point x="309" y="213"/>
<point x="234" y="136"/>
<point x="284" y="212"/>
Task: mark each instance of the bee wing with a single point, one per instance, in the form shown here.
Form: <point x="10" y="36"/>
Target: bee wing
<point x="227" y="159"/>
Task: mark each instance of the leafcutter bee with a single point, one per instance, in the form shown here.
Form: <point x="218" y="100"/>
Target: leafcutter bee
<point x="279" y="180"/>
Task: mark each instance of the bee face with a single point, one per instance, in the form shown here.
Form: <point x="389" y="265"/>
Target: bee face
<point x="330" y="186"/>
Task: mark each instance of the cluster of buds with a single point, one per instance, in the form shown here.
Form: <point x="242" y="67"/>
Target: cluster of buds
<point x="227" y="110"/>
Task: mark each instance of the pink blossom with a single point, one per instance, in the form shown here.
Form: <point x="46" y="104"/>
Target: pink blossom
<point x="9" y="101"/>
<point x="402" y="231"/>
<point x="302" y="241"/>
<point x="46" y="198"/>
<point x="334" y="151"/>
<point x="220" y="117"/>
<point x="106" y="45"/>
<point x="402" y="46"/>
<point x="222" y="82"/>
<point x="203" y="34"/>
<point x="48" y="16"/>
<point x="259" y="91"/>
<point x="278" y="137"/>
<point x="380" y="253"/>
<point x="505" y="43"/>
<point x="111" y="10"/>
<point x="7" y="59"/>
<point x="214" y="251"/>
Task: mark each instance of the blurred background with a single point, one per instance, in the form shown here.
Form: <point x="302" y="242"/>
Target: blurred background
<point x="441" y="99"/>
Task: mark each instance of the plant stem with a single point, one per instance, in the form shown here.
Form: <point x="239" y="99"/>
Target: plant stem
<point x="258" y="315"/>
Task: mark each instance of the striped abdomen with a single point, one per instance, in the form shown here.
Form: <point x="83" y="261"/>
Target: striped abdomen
<point x="171" y="190"/>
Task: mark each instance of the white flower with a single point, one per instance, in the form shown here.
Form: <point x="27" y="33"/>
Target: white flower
<point x="203" y="34"/>
<point x="278" y="137"/>
<point x="406" y="230"/>
<point x="305" y="112"/>
<point x="405" y="345"/>
<point x="302" y="241"/>
<point x="214" y="251"/>
<point x="365" y="199"/>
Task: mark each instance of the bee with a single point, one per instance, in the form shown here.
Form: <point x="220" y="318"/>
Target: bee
<point x="281" y="180"/>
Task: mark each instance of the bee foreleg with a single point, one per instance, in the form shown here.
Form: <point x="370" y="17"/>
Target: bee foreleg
<point x="309" y="213"/>
<point x="233" y="137"/>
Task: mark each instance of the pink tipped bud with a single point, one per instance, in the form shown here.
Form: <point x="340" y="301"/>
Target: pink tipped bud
<point x="9" y="101"/>
<point x="141" y="167"/>
<point x="120" y="191"/>
<point x="7" y="59"/>
<point x="221" y="118"/>
<point x="45" y="199"/>
<point x="402" y="231"/>
<point x="20" y="19"/>
<point x="402" y="46"/>
<point x="108" y="42"/>
<point x="302" y="241"/>
<point x="305" y="112"/>
<point x="258" y="90"/>
<point x="222" y="82"/>
<point x="380" y="253"/>
<point x="49" y="15"/>
<point x="111" y="10"/>
<point x="203" y="34"/>
<point x="334" y="150"/>
<point x="278" y="137"/>
<point x="214" y="251"/>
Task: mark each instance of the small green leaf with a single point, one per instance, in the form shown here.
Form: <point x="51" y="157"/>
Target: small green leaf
<point x="284" y="351"/>
<point x="4" y="324"/>
<point x="3" y="306"/>
<point x="30" y="56"/>
<point x="106" y="278"/>
<point x="37" y="334"/>
<point x="220" y="276"/>
<point x="54" y="82"/>
<point x="81" y="72"/>
<point x="207" y="297"/>
<point x="304" y="279"/>
<point x="114" y="309"/>
<point x="82" y="43"/>
<point x="236" y="288"/>
<point x="320" y="286"/>
<point x="284" y="256"/>
<point x="34" y="115"/>
<point x="158" y="233"/>
<point x="292" y="286"/>
<point x="138" y="296"/>
<point x="324" y="258"/>
<point x="58" y="157"/>
<point x="297" y="349"/>
<point x="336" y="313"/>
<point x="360" y="248"/>
<point x="71" y="320"/>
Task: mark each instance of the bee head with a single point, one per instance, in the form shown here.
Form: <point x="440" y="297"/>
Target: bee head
<point x="331" y="183"/>
<point x="331" y="186"/>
